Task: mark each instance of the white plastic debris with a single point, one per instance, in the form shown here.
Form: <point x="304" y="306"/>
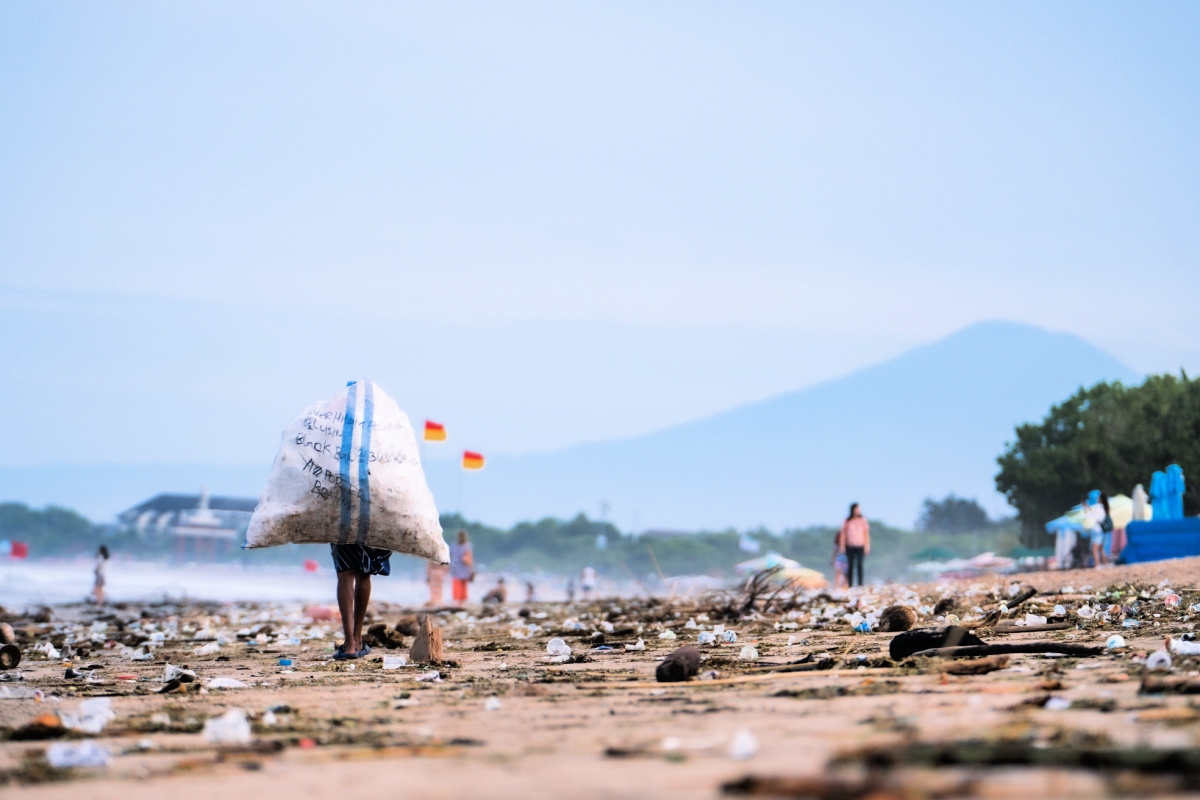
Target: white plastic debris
<point x="323" y="461"/>
<point x="1185" y="648"/>
<point x="691" y="625"/>
<point x="77" y="754"/>
<point x="394" y="662"/>
<point x="748" y="653"/>
<point x="667" y="635"/>
<point x="744" y="746"/>
<point x="172" y="672"/>
<point x="433" y="675"/>
<point x="1059" y="611"/>
<point x="502" y="665"/>
<point x="1057" y="704"/>
<point x="706" y="637"/>
<point x="47" y="649"/>
<point x="1159" y="659"/>
<point x="1115" y="642"/>
<point x="557" y="647"/>
<point x="1086" y="612"/>
<point x="92" y="716"/>
<point x="207" y="649"/>
<point x="1034" y="619"/>
<point x="729" y="636"/>
<point x="718" y="630"/>
<point x="232" y="727"/>
<point x="639" y="646"/>
<point x="492" y="704"/>
<point x="269" y="719"/>
<point x="226" y="683"/>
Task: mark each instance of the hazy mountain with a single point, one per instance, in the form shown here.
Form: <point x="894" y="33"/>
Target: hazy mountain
<point x="926" y="423"/>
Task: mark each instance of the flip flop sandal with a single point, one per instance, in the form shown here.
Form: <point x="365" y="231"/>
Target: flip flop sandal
<point x="341" y="655"/>
<point x="366" y="651"/>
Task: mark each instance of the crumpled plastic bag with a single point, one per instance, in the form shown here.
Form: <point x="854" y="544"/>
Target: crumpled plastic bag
<point x="348" y="471"/>
<point x="232" y="727"/>
<point x="93" y="715"/>
<point x="77" y="754"/>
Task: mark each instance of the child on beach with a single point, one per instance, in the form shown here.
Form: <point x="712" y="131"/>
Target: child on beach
<point x="839" y="564"/>
<point x="462" y="568"/>
<point x="100" y="573"/>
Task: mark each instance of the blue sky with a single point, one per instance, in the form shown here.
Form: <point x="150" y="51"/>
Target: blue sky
<point x="576" y="221"/>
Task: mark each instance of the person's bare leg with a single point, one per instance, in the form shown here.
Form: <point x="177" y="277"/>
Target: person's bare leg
<point x="362" y="598"/>
<point x="345" y="598"/>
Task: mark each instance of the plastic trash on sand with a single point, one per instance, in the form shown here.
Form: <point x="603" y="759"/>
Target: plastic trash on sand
<point x="729" y="636"/>
<point x="226" y="683"/>
<point x="432" y="675"/>
<point x="172" y="672"/>
<point x="93" y="715"/>
<point x="706" y="637"/>
<point x="348" y="470"/>
<point x="77" y="754"/>
<point x="492" y="704"/>
<point x="1034" y="619"/>
<point x="1185" y="648"/>
<point x="207" y="649"/>
<point x="394" y="662"/>
<point x="639" y="646"/>
<point x="1159" y="659"/>
<point x="748" y="653"/>
<point x="557" y="647"/>
<point x="232" y="727"/>
<point x="1117" y="641"/>
<point x="744" y="745"/>
<point x="667" y="635"/>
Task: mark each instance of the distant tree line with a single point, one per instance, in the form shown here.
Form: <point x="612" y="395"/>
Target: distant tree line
<point x="1109" y="437"/>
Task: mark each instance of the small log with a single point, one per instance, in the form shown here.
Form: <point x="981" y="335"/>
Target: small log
<point x="1007" y="649"/>
<point x="978" y="666"/>
<point x="1169" y="684"/>
<point x="427" y="646"/>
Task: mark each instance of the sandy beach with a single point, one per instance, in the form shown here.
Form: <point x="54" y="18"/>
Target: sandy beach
<point x="502" y="720"/>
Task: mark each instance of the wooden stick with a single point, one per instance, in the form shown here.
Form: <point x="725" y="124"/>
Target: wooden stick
<point x="1004" y="649"/>
<point x="1010" y="604"/>
<point x="1050" y="626"/>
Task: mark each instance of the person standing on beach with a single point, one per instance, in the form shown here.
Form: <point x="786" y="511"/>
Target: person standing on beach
<point x="355" y="564"/>
<point x="435" y="577"/>
<point x="462" y="567"/>
<point x="100" y="572"/>
<point x="1098" y="523"/>
<point x="587" y="582"/>
<point x="854" y="540"/>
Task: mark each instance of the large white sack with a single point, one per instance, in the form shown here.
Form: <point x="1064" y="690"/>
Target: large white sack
<point x="348" y="471"/>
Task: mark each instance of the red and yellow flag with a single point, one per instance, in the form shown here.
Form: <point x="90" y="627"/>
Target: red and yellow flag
<point x="472" y="460"/>
<point x="435" y="431"/>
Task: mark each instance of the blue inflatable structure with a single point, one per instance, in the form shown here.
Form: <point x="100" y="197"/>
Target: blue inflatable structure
<point x="1170" y="534"/>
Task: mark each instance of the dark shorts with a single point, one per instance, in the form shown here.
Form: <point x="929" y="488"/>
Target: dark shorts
<point x="360" y="558"/>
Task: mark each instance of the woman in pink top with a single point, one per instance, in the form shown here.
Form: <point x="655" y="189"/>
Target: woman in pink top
<point x="854" y="540"/>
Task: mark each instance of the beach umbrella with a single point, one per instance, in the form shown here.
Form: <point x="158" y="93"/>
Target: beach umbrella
<point x="771" y="559"/>
<point x="801" y="577"/>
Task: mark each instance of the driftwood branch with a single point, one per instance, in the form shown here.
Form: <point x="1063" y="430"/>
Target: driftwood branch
<point x="1006" y="649"/>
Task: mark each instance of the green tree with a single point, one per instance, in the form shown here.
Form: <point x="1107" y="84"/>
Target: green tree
<point x="952" y="515"/>
<point x="1109" y="437"/>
